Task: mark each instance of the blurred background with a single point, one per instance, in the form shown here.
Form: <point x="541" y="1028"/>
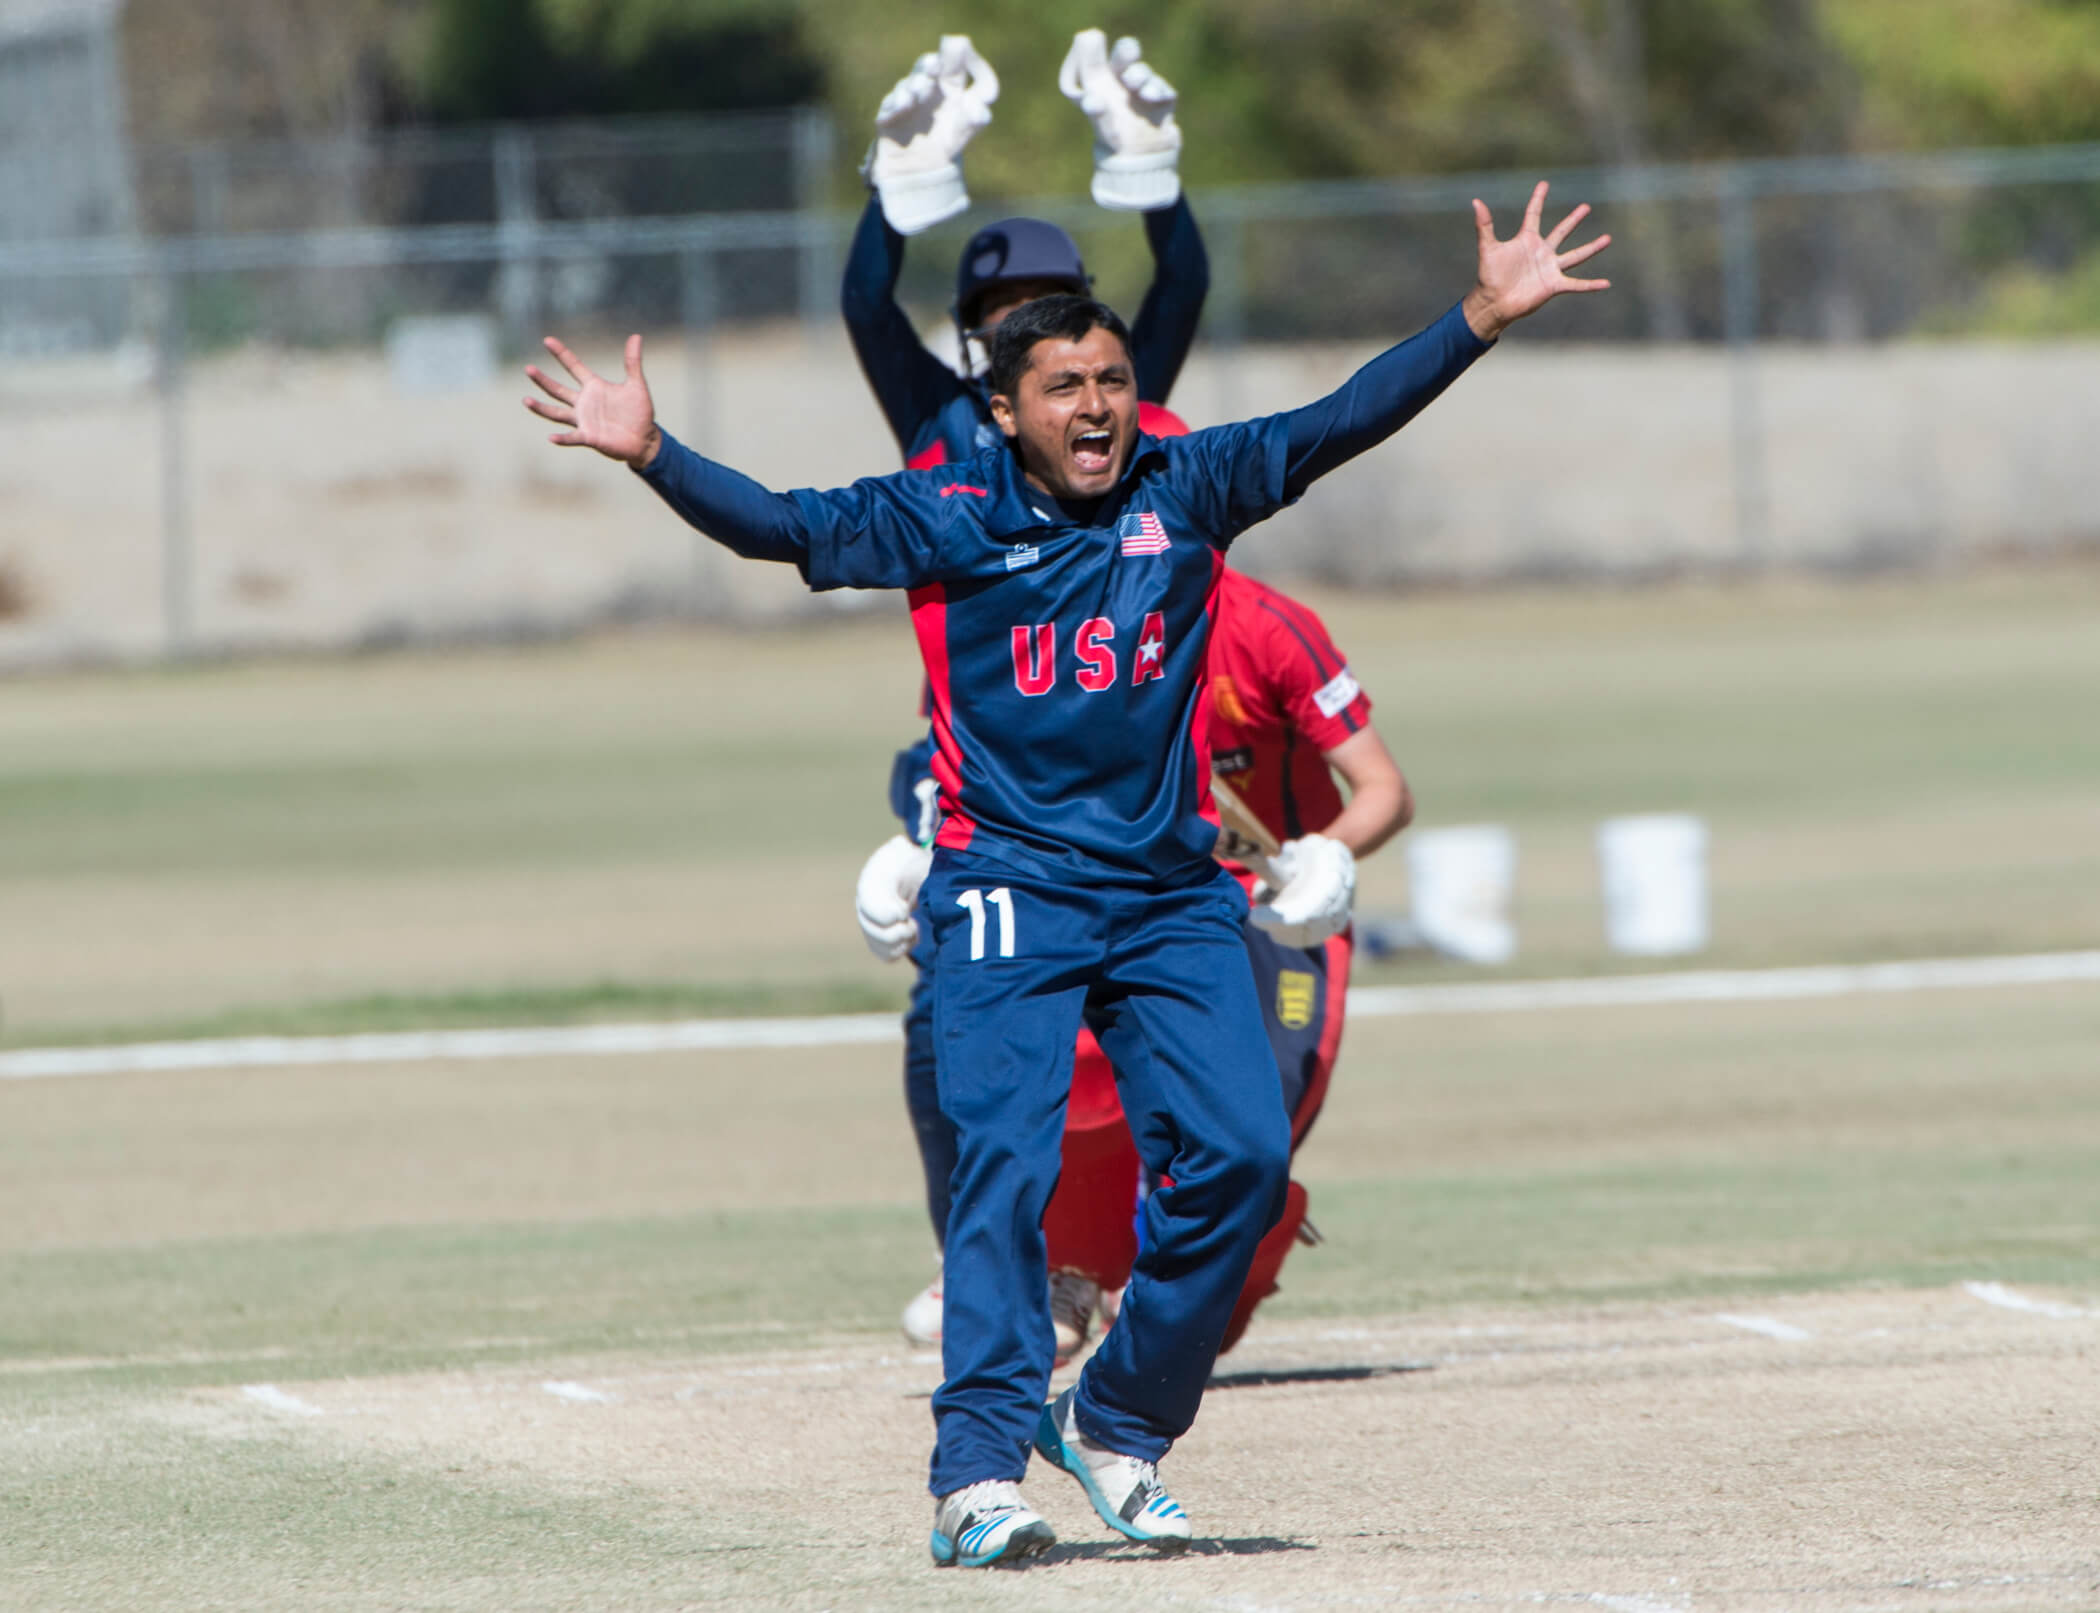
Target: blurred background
<point x="1793" y="530"/>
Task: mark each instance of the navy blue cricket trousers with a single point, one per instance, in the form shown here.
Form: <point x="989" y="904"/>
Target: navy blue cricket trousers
<point x="1161" y="976"/>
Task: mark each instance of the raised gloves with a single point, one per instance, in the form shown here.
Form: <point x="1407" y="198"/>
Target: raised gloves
<point x="886" y="893"/>
<point x="1318" y="890"/>
<point x="1137" y="143"/>
<point x="921" y="128"/>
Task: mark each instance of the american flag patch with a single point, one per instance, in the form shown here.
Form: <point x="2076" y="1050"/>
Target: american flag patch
<point x="1142" y="534"/>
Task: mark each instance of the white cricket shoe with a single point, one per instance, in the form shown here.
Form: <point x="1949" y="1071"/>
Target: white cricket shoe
<point x="1072" y="1301"/>
<point x="922" y="1317"/>
<point x="987" y="1523"/>
<point x="1125" y="1490"/>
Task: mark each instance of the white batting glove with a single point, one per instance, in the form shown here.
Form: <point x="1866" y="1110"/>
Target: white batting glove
<point x="1137" y="143"/>
<point x="921" y="128"/>
<point x="1318" y="891"/>
<point x="884" y="897"/>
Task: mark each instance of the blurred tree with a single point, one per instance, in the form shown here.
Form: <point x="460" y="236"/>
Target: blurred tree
<point x="501" y="59"/>
<point x="1973" y="72"/>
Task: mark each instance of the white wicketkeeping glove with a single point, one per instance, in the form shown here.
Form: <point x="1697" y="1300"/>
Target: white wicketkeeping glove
<point x="1137" y="143"/>
<point x="1318" y="890"/>
<point x="884" y="897"/>
<point x="921" y="128"/>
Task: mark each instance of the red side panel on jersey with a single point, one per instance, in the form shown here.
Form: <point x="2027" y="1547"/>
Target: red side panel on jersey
<point x="933" y="454"/>
<point x="929" y="620"/>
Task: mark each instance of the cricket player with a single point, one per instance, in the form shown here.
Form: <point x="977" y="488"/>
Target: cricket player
<point x="1063" y="584"/>
<point x="1287" y="717"/>
<point x="914" y="173"/>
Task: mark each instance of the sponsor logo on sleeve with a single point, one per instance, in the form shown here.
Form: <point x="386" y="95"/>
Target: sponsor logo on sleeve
<point x="1337" y="692"/>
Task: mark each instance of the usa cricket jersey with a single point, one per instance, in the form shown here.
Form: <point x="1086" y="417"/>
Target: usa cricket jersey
<point x="1066" y="657"/>
<point x="1066" y="651"/>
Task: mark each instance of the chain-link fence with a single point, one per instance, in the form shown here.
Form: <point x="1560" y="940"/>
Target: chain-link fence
<point x="309" y="348"/>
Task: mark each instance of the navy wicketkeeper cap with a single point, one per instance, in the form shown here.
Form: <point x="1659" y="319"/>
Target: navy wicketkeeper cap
<point x="1016" y="249"/>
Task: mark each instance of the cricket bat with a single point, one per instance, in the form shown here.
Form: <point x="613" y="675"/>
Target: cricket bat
<point x="1246" y="838"/>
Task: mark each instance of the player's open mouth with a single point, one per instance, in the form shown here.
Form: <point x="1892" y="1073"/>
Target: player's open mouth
<point x="1093" y="451"/>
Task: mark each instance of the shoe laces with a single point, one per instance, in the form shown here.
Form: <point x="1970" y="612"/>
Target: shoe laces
<point x="989" y="1496"/>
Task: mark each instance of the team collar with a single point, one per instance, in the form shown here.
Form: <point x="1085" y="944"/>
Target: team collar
<point x="1017" y="507"/>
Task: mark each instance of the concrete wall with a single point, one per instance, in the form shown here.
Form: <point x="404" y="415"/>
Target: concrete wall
<point x="326" y="511"/>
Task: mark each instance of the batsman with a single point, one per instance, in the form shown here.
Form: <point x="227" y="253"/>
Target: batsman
<point x="1062" y="586"/>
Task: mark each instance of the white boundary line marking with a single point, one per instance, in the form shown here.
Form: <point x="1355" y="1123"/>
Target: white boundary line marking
<point x="840" y="1030"/>
<point x="582" y="1394"/>
<point x="268" y="1394"/>
<point x="1770" y="1326"/>
<point x="2006" y="1299"/>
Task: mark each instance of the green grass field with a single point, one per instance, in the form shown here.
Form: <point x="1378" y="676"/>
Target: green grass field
<point x="666" y="825"/>
<point x="651" y="824"/>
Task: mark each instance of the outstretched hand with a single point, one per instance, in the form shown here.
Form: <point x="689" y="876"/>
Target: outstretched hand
<point x="618" y="418"/>
<point x="1521" y="275"/>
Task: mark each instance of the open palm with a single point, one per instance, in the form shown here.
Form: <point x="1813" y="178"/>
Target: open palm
<point x="618" y="418"/>
<point x="1521" y="275"/>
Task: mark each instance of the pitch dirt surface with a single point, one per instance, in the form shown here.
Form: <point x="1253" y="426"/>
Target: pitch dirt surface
<point x="1827" y="1454"/>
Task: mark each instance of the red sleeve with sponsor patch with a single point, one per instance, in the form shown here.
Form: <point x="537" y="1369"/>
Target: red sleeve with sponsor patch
<point x="1282" y="696"/>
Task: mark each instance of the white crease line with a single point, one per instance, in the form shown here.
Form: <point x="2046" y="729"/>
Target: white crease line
<point x="2006" y="1299"/>
<point x="1771" y="1327"/>
<point x="268" y="1394"/>
<point x="1729" y="985"/>
<point x="582" y="1394"/>
<point x="841" y="1030"/>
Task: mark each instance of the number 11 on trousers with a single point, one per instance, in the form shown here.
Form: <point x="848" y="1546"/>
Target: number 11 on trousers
<point x="1002" y="899"/>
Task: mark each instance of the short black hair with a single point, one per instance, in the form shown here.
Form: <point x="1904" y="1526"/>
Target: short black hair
<point x="1041" y="319"/>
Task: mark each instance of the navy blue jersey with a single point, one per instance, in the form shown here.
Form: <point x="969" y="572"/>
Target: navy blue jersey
<point x="937" y="417"/>
<point x="1067" y="654"/>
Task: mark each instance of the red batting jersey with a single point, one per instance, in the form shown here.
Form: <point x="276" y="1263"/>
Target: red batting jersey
<point x="1281" y="697"/>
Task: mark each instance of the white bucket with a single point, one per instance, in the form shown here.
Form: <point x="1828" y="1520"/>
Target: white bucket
<point x="1461" y="880"/>
<point x="1653" y="869"/>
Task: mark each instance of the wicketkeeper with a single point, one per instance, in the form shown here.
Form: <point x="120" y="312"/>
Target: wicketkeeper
<point x="1062" y="586"/>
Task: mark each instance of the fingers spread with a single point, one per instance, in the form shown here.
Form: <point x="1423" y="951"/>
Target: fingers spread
<point x="1566" y="227"/>
<point x="1483" y="222"/>
<point x="547" y="384"/>
<point x="634" y="357"/>
<point x="560" y="414"/>
<point x="578" y="370"/>
<point x="1583" y="253"/>
<point x="1535" y="209"/>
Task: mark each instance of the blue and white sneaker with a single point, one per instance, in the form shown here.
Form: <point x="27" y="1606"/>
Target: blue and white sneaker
<point x="987" y="1523"/>
<point x="1125" y="1491"/>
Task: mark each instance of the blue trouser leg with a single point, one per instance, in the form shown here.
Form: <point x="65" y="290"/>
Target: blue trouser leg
<point x="1163" y="976"/>
<point x="1004" y="1028"/>
<point x="922" y="1100"/>
<point x="1179" y="1018"/>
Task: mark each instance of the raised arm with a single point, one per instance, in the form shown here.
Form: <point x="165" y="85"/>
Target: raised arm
<point x="882" y="532"/>
<point x="1515" y="278"/>
<point x="909" y="383"/>
<point x="618" y="419"/>
<point x="1165" y="327"/>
